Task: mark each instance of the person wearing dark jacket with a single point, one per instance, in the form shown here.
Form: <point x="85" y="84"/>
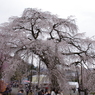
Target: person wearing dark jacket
<point x="20" y="92"/>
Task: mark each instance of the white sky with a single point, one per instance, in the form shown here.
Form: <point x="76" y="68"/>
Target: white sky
<point x="82" y="10"/>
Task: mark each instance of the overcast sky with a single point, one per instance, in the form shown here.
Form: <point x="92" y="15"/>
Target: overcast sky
<point x="82" y="10"/>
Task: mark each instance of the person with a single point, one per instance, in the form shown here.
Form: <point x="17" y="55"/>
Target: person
<point x="48" y="93"/>
<point x="58" y="93"/>
<point x="74" y="90"/>
<point x="61" y="92"/>
<point x="41" y="92"/>
<point x="53" y="92"/>
<point x="20" y="92"/>
<point x="6" y="91"/>
<point x="27" y="89"/>
<point x="9" y="89"/>
<point x="1" y="93"/>
<point x="29" y="86"/>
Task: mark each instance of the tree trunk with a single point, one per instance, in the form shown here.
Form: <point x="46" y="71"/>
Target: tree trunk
<point x="54" y="82"/>
<point x="0" y="72"/>
<point x="39" y="73"/>
<point x="57" y="79"/>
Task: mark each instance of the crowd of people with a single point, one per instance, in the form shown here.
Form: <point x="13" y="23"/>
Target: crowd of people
<point x="37" y="91"/>
<point x="40" y="92"/>
<point x="26" y="89"/>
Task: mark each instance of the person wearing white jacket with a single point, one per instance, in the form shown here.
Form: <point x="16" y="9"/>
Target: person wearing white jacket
<point x="53" y="92"/>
